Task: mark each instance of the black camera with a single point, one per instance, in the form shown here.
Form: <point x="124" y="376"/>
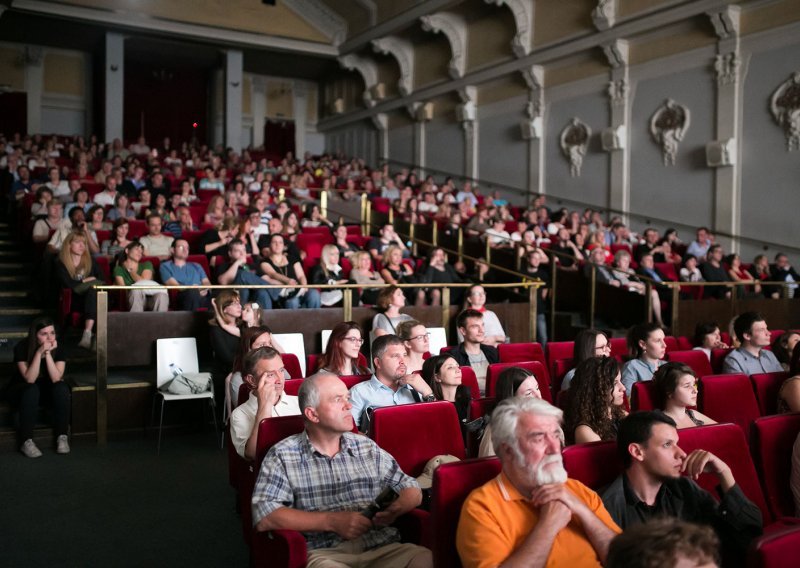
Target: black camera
<point x="381" y="502"/>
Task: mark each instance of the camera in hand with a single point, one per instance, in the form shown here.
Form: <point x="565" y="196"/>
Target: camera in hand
<point x="381" y="502"/>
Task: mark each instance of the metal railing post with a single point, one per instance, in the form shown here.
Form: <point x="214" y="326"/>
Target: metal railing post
<point x="323" y="202"/>
<point x="676" y="298"/>
<point x="488" y="251"/>
<point x="553" y="278"/>
<point x="592" y="295"/>
<point x="347" y="304"/>
<point x="446" y="312"/>
<point x="648" y="290"/>
<point x="364" y="229"/>
<point x="460" y="244"/>
<point x="533" y="300"/>
<point x="101" y="387"/>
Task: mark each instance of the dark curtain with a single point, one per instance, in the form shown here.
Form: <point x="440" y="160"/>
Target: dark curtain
<point x="13" y="113"/>
<point x="165" y="101"/>
<point x="279" y="137"/>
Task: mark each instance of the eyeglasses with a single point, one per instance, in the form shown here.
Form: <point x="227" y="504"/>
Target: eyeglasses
<point x="354" y="340"/>
<point x="418" y="337"/>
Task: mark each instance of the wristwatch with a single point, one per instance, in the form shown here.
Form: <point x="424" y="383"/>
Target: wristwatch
<point x="430" y="398"/>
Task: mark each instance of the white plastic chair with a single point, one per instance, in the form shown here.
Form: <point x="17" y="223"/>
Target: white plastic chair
<point x="437" y="341"/>
<point x="326" y="335"/>
<point x="181" y="352"/>
<point x="293" y="343"/>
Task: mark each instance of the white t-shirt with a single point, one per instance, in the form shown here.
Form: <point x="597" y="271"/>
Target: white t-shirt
<point x="243" y="418"/>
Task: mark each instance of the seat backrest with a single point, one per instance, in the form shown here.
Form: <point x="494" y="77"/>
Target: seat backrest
<point x="718" y="359"/>
<point x="478" y="408"/>
<point x="243" y="394"/>
<point x="518" y="352"/>
<point x="773" y="439"/>
<point x="294" y="343"/>
<point x="727" y="442"/>
<point x="595" y="464"/>
<point x="292" y="365"/>
<point x="414" y="433"/>
<point x="619" y="348"/>
<point x="353" y="380"/>
<point x="273" y="430"/>
<point x="697" y="360"/>
<point x="728" y="398"/>
<point x="766" y="386"/>
<point x="671" y="343"/>
<point x="437" y="340"/>
<point x="202" y="260"/>
<point x="292" y="386"/>
<point x="777" y="549"/>
<point x="469" y="380"/>
<point x="666" y="270"/>
<point x="536" y="367"/>
<point x="452" y="483"/>
<point x="556" y="350"/>
<point x="684" y="343"/>
<point x="644" y="396"/>
<point x="178" y="351"/>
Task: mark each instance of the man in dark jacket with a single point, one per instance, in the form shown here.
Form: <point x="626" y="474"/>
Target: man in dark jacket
<point x="472" y="352"/>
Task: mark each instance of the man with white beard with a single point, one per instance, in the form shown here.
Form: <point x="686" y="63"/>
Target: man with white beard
<point x="531" y="514"/>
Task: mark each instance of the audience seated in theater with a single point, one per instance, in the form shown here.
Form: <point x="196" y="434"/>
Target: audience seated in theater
<point x="38" y="378"/>
<point x="475" y="299"/>
<point x="534" y="268"/>
<point x="341" y="353"/>
<point x="665" y="543"/>
<point x="707" y="337"/>
<point x="390" y="384"/>
<point x="228" y="311"/>
<point x="783" y="346"/>
<point x="569" y="254"/>
<point x="386" y="237"/>
<point x="154" y="242"/>
<point x="443" y="376"/>
<point x="595" y="402"/>
<point x="439" y="271"/>
<point x="59" y="187"/>
<point x="44" y="196"/>
<point x="589" y="343"/>
<point x="647" y="348"/>
<point x="689" y="271"/>
<point x="713" y="271"/>
<point x="295" y="491"/>
<point x="252" y="336"/>
<point x="121" y="209"/>
<point x="75" y="222"/>
<point x="389" y="301"/>
<point x="651" y="246"/>
<point x="130" y="270"/>
<point x="159" y="207"/>
<point x="752" y="357"/>
<point x="472" y="351"/>
<point x="96" y="219"/>
<point x="79" y="199"/>
<point x="794" y="480"/>
<point x="395" y="271"/>
<point x="363" y="275"/>
<point x="77" y="270"/>
<point x="43" y="225"/>
<point x="604" y="274"/>
<point x="652" y="485"/>
<point x="782" y="271"/>
<point x="180" y="272"/>
<point x="789" y="393"/>
<point x="328" y="271"/>
<point x="416" y="338"/>
<point x="699" y="247"/>
<point x="312" y="217"/>
<point x="109" y="193"/>
<point x="762" y="272"/>
<point x="291" y="225"/>
<point x="532" y="514"/>
<point x="237" y="271"/>
<point x="263" y="371"/>
<point x="736" y="273"/>
<point x="676" y="388"/>
<point x="215" y="212"/>
<point x="627" y="278"/>
<point x="346" y="249"/>
<point x="513" y="381"/>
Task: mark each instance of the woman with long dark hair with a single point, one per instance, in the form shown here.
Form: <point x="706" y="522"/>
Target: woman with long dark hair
<point x="443" y="375"/>
<point x="676" y="388"/>
<point x="341" y="353"/>
<point x="595" y="402"/>
<point x="589" y="343"/>
<point x="39" y="378"/>
<point x="513" y="381"/>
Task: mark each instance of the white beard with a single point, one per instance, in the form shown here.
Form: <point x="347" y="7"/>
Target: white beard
<point x="544" y="475"/>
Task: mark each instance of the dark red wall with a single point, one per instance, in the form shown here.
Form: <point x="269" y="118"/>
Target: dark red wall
<point x="169" y="99"/>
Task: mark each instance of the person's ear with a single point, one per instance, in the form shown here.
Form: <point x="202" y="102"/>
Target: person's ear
<point x="311" y="414"/>
<point x="636" y="451"/>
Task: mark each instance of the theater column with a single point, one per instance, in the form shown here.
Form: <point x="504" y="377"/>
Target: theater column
<point x="467" y="115"/>
<point x="532" y="128"/>
<point x="381" y="123"/>
<point x="115" y="85"/>
<point x="421" y="113"/>
<point x="233" y="99"/>
<point x="615" y="139"/>
<point x="34" y="78"/>
<point x="300" y="92"/>
<point x="259" y="106"/>
<point x="723" y="152"/>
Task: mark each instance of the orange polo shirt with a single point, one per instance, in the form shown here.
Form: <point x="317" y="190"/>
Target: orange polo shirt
<point x="496" y="519"/>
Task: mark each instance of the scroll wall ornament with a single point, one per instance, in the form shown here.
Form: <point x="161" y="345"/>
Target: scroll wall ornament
<point x="785" y="108"/>
<point x="574" y="142"/>
<point x="605" y="14"/>
<point x="668" y="126"/>
<point x="617" y="91"/>
<point x="727" y="67"/>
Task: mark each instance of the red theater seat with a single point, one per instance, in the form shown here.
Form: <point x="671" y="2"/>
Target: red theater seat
<point x="619" y="348"/>
<point x="778" y="549"/>
<point x="292" y="365"/>
<point x="773" y="438"/>
<point x="537" y="368"/>
<point x="766" y="387"/>
<point x="469" y="380"/>
<point x="672" y="343"/>
<point x="595" y="464"/>
<point x="559" y="350"/>
<point x="728" y="398"/>
<point x="514" y="352"/>
<point x="718" y="359"/>
<point x="643" y="396"/>
<point x="697" y="360"/>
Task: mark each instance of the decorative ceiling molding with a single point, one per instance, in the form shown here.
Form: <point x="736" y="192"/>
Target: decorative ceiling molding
<point x="454" y="27"/>
<point x="726" y="21"/>
<point x="368" y="70"/>
<point x="371" y="9"/>
<point x="321" y="17"/>
<point x="604" y="15"/>
<point x="196" y="32"/>
<point x="523" y="11"/>
<point x="467" y="111"/>
<point x="403" y="51"/>
<point x="617" y="53"/>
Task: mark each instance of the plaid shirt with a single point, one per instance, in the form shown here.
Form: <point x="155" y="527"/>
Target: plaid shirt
<point x="294" y="474"/>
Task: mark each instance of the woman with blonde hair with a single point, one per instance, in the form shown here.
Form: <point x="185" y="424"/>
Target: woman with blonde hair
<point x="328" y="271"/>
<point x="227" y="313"/>
<point x="76" y="270"/>
<point x="363" y="275"/>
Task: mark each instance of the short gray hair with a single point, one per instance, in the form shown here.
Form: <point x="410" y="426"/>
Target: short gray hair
<point x="308" y="395"/>
<point x="505" y="418"/>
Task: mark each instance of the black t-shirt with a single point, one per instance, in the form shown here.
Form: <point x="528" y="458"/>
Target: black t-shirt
<point x="290" y="248"/>
<point x="542" y="274"/>
<point x="21" y="354"/>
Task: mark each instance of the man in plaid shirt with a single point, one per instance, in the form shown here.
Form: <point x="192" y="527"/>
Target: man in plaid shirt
<point x="320" y="480"/>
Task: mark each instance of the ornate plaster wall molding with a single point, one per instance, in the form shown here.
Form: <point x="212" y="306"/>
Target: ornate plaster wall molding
<point x="523" y="11"/>
<point x="403" y="52"/>
<point x="617" y="53"/>
<point x="604" y="15"/>
<point x="454" y="27"/>
<point x="380" y="121"/>
<point x="534" y="78"/>
<point x="467" y="111"/>
<point x="368" y="70"/>
<point x="574" y="142"/>
<point x="618" y="91"/>
<point x="319" y="15"/>
<point x="726" y="66"/>
<point x="668" y="126"/>
<point x="726" y="22"/>
<point x="785" y="108"/>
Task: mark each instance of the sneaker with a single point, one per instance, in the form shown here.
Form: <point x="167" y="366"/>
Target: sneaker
<point x="30" y="450"/>
<point x="62" y="444"/>
<point x="86" y="340"/>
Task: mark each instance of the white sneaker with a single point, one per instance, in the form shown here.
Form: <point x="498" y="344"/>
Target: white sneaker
<point x="86" y="340"/>
<point x="30" y="450"/>
<point x="62" y="444"/>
